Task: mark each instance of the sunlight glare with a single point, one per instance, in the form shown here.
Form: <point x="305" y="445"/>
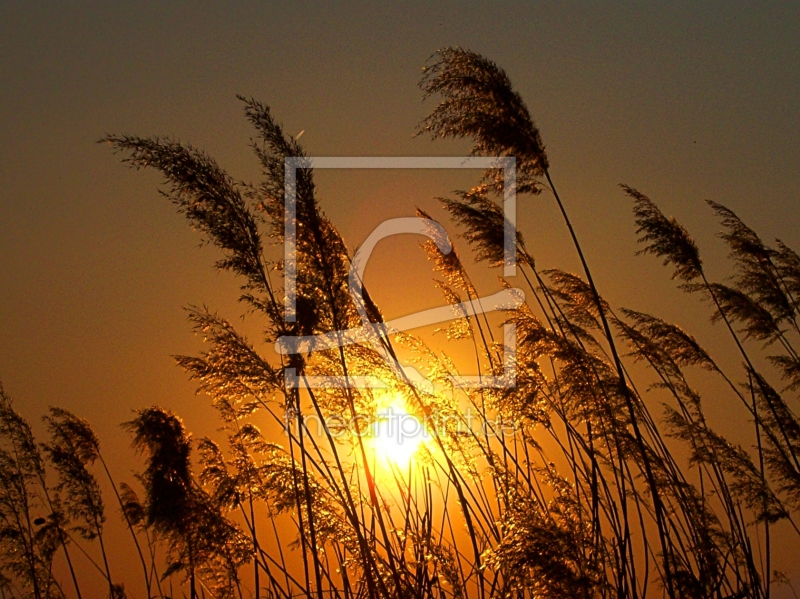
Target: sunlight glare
<point x="397" y="434"/>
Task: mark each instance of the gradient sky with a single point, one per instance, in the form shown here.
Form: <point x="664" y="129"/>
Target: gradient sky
<point x="684" y="102"/>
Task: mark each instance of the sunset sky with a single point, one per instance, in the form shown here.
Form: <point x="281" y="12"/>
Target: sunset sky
<point x="684" y="102"/>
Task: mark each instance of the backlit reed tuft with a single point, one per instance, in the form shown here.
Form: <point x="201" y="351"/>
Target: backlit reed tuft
<point x="600" y="473"/>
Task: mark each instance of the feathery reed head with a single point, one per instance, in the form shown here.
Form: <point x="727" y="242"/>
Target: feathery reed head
<point x="484" y="222"/>
<point x="208" y="197"/>
<point x="478" y="102"/>
<point x="161" y="435"/>
<point x="72" y="448"/>
<point x="665" y="237"/>
<point x="677" y="343"/>
<point x="757" y="274"/>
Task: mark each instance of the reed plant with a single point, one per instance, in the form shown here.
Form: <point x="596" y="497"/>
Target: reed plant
<point x="598" y="474"/>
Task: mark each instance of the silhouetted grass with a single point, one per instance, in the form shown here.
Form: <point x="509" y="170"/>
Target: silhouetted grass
<point x="588" y="497"/>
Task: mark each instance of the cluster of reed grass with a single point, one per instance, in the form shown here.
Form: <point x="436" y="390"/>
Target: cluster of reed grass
<point x="587" y="498"/>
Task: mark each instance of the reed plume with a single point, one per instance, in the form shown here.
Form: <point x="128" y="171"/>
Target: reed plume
<point x="600" y="473"/>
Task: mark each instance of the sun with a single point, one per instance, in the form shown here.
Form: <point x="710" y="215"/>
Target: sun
<point x="397" y="434"/>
